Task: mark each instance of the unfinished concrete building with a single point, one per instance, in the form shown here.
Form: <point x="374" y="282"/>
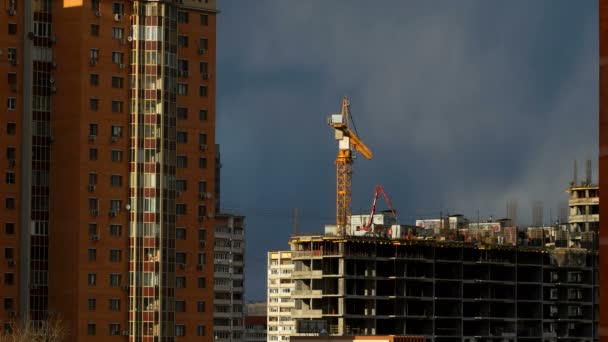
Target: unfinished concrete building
<point x="445" y="291"/>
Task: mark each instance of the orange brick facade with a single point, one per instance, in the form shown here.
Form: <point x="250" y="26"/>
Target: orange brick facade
<point x="603" y="163"/>
<point x="73" y="76"/>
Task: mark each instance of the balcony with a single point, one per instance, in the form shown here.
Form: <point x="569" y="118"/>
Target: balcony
<point x="317" y="274"/>
<point x="307" y="293"/>
<point x="584" y="218"/>
<point x="306" y="313"/>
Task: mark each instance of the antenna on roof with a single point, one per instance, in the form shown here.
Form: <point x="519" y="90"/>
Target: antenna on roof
<point x="588" y="172"/>
<point x="574" y="174"/>
<point x="295" y="221"/>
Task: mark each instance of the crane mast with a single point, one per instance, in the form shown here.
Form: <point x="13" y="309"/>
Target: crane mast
<point x="347" y="142"/>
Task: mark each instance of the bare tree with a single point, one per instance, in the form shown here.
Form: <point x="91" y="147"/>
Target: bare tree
<point x="52" y="329"/>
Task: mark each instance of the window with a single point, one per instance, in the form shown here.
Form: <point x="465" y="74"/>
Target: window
<point x="180" y="282"/>
<point x="182" y="162"/>
<point x="12" y="55"/>
<point x="181" y="185"/>
<point x="180" y="306"/>
<point x="9" y="203"/>
<point x="180" y="233"/>
<point x="92" y="254"/>
<point x="8" y="253"/>
<point x="115" y="255"/>
<point x="11" y="103"/>
<point x="9" y="228"/>
<point x="182" y="113"/>
<point x="92" y="154"/>
<point x="95" y="5"/>
<point x="94" y="104"/>
<point x="116" y="131"/>
<point x="117" y="32"/>
<point x="114" y="279"/>
<point x="117" y="82"/>
<point x="182" y="41"/>
<point x="182" y="17"/>
<point x="116" y="180"/>
<point x="11" y="153"/>
<point x="9" y="279"/>
<point x="181" y="137"/>
<point x="204" y="22"/>
<point x="115" y="205"/>
<point x="117" y="57"/>
<point x="92" y="228"/>
<point x="203" y="66"/>
<point x="92" y="178"/>
<point x="180" y="257"/>
<point x="91" y="329"/>
<point x="202" y="115"/>
<point x="116" y="156"/>
<point x="116" y="106"/>
<point x="114" y="329"/>
<point x="202" y="210"/>
<point x="92" y="303"/>
<point x="93" y="204"/>
<point x="12" y="78"/>
<point x="94" y="79"/>
<point x="114" y="304"/>
<point x="200" y="306"/>
<point x="94" y="55"/>
<point x="202" y="234"/>
<point x="200" y="330"/>
<point x="10" y="177"/>
<point x="115" y="230"/>
<point x="180" y="209"/>
<point x="202" y="139"/>
<point x="12" y="29"/>
<point x="203" y="43"/>
<point x="92" y="279"/>
<point x="182" y="89"/>
<point x="182" y="67"/>
<point x="95" y="30"/>
<point x="202" y="91"/>
<point x="93" y="128"/>
<point x="201" y="282"/>
<point x="11" y="128"/>
<point x="202" y="162"/>
<point x="117" y="8"/>
<point x="180" y="329"/>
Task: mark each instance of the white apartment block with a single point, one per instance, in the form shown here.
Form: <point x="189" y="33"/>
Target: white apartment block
<point x="280" y="303"/>
<point x="229" y="264"/>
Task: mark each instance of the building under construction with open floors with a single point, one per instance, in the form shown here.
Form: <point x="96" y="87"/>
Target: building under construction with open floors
<point x="445" y="290"/>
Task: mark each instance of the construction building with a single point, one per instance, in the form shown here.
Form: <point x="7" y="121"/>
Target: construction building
<point x="229" y="278"/>
<point x="109" y="120"/>
<point x="280" y="296"/>
<point x="445" y="290"/>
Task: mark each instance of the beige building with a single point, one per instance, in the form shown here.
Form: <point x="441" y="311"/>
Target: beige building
<point x="280" y="300"/>
<point x="584" y="205"/>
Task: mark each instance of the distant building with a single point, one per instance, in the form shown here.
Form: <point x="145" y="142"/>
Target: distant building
<point x="229" y="264"/>
<point x="280" y="300"/>
<point x="256" y="324"/>
<point x="584" y="205"/>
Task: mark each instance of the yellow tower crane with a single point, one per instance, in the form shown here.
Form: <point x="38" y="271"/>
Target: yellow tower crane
<point x="347" y="142"/>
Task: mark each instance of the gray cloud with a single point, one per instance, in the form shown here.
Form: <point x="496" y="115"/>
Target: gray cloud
<point x="465" y="106"/>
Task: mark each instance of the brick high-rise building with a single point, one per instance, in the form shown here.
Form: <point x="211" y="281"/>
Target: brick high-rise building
<point x="107" y="149"/>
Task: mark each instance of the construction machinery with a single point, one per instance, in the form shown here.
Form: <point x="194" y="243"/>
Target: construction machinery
<point x="348" y="142"/>
<point x="379" y="190"/>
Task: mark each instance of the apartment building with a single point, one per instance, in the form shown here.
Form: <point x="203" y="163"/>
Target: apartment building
<point x="107" y="154"/>
<point x="280" y="292"/>
<point x="229" y="277"/>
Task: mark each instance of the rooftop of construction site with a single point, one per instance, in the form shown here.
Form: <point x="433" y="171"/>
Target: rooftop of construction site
<point x="458" y="230"/>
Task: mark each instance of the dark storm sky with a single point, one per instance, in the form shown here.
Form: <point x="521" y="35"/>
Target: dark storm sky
<point x="465" y="105"/>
